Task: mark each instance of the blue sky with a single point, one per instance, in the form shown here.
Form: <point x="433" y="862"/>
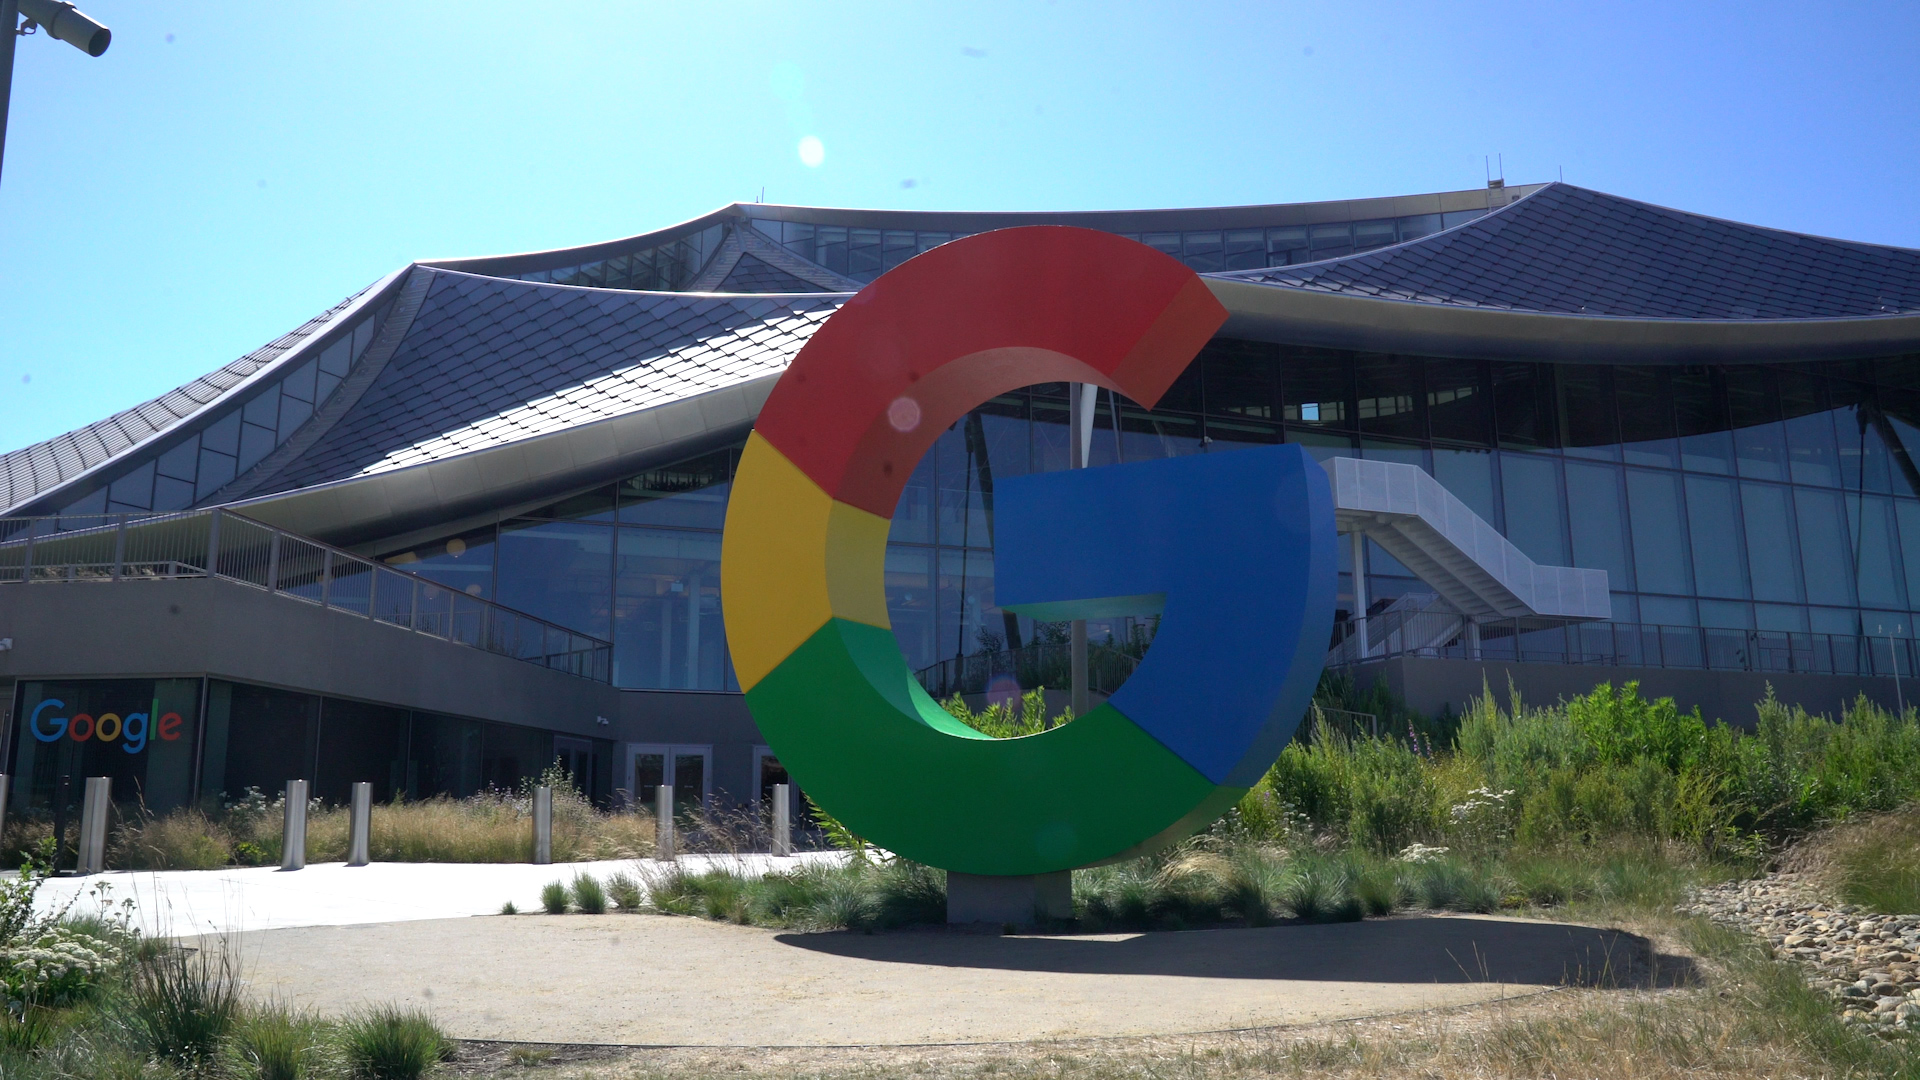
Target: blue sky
<point x="227" y="170"/>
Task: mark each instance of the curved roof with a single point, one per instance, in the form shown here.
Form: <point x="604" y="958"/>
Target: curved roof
<point x="1567" y="250"/>
<point x="456" y="387"/>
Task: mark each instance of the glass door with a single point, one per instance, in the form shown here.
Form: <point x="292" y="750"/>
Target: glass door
<point x="687" y="770"/>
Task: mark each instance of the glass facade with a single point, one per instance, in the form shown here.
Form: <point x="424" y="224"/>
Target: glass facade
<point x="1759" y="497"/>
<point x="148" y="736"/>
<point x="865" y="254"/>
<point x="189" y="469"/>
<point x="666" y="267"/>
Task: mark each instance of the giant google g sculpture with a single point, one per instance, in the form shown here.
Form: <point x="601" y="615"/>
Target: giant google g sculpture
<point x="1236" y="550"/>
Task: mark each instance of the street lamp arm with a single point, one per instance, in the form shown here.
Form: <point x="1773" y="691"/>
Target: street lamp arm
<point x="69" y="24"/>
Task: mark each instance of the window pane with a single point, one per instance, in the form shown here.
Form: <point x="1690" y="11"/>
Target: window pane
<point x="1469" y="475"/>
<point x="1318" y="387"/>
<point x="1699" y="407"/>
<point x="1522" y="404"/>
<point x="1239" y="382"/>
<point x="1718" y="569"/>
<point x="1825" y="553"/>
<point x="1457" y="402"/>
<point x="1770" y="542"/>
<point x="1585" y="396"/>
<point x="689" y="494"/>
<point x="1753" y="405"/>
<point x="1599" y="521"/>
<point x="1813" y="457"/>
<point x="1659" y="533"/>
<point x="1881" y="584"/>
<point x="969" y="623"/>
<point x="561" y="571"/>
<point x="1531" y="486"/>
<point x="668" y="631"/>
<point x="1908" y="515"/>
<point x="1646" y="416"/>
<point x="1390" y="396"/>
<point x="464" y="563"/>
<point x="910" y="602"/>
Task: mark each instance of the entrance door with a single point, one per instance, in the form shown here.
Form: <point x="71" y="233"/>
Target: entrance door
<point x="688" y="770"/>
<point x="576" y="757"/>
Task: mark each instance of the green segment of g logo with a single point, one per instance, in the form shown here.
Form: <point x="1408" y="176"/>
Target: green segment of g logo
<point x="805" y="543"/>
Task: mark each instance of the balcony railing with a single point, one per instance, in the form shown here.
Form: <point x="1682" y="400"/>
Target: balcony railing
<point x="1617" y="644"/>
<point x="220" y="543"/>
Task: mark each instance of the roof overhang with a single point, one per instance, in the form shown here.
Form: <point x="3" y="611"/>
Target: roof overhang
<point x="1291" y="316"/>
<point x="500" y="481"/>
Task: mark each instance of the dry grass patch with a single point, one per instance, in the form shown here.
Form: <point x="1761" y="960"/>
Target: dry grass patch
<point x="1872" y="861"/>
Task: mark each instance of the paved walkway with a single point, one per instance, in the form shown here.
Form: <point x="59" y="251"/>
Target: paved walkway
<point x="655" y="980"/>
<point x="178" y="903"/>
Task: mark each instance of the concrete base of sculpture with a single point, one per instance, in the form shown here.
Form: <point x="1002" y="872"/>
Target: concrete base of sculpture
<point x="1022" y="901"/>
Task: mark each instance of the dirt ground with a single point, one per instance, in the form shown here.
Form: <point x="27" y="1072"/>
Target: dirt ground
<point x="655" y="981"/>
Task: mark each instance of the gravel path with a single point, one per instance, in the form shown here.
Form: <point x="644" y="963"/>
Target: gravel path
<point x="1869" y="963"/>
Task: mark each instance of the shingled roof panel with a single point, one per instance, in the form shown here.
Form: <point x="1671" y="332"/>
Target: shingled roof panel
<point x="1568" y="250"/>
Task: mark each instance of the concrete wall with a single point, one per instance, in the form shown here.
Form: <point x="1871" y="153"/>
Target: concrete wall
<point x="691" y="718"/>
<point x="200" y="626"/>
<point x="209" y="626"/>
<point x="1430" y="685"/>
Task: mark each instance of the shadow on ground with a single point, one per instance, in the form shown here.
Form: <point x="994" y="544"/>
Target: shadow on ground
<point x="1416" y="949"/>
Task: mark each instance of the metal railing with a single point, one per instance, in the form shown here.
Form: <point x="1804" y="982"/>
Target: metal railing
<point x="1049" y="664"/>
<point x="1617" y="644"/>
<point x="220" y="543"/>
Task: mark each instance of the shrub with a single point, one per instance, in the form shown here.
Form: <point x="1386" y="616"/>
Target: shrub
<point x="387" y="1042"/>
<point x="553" y="898"/>
<point x="182" y="1003"/>
<point x="1319" y="889"/>
<point x="625" y="892"/>
<point x="275" y="1043"/>
<point x="588" y="895"/>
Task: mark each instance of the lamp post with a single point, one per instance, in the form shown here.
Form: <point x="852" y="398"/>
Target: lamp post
<point x="60" y="20"/>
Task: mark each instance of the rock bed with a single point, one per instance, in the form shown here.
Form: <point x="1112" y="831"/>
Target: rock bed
<point x="1869" y="964"/>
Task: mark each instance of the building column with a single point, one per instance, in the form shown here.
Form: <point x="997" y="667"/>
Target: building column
<point x="1359" y="541"/>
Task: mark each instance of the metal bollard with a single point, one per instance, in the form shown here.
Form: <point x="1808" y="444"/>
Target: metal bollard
<point x="293" y="830"/>
<point x="93" y="824"/>
<point x="360" y="826"/>
<point x="663" y="823"/>
<point x="542" y="825"/>
<point x="782" y="821"/>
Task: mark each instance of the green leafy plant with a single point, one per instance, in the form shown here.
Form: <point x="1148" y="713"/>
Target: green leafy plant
<point x="553" y="898"/>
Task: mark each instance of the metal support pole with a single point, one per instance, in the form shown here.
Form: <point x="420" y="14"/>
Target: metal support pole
<point x="1083" y="402"/>
<point x="663" y="823"/>
<point x="326" y="576"/>
<point x="542" y="825"/>
<point x="1359" y="541"/>
<point x="1894" y="655"/>
<point x="9" y="27"/>
<point x="6" y="792"/>
<point x="273" y="562"/>
<point x="213" y="544"/>
<point x="782" y="818"/>
<point x="360" y="826"/>
<point x="33" y="529"/>
<point x="293" y="833"/>
<point x="119" y="547"/>
<point x="1473" y="640"/>
<point x="93" y="825"/>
